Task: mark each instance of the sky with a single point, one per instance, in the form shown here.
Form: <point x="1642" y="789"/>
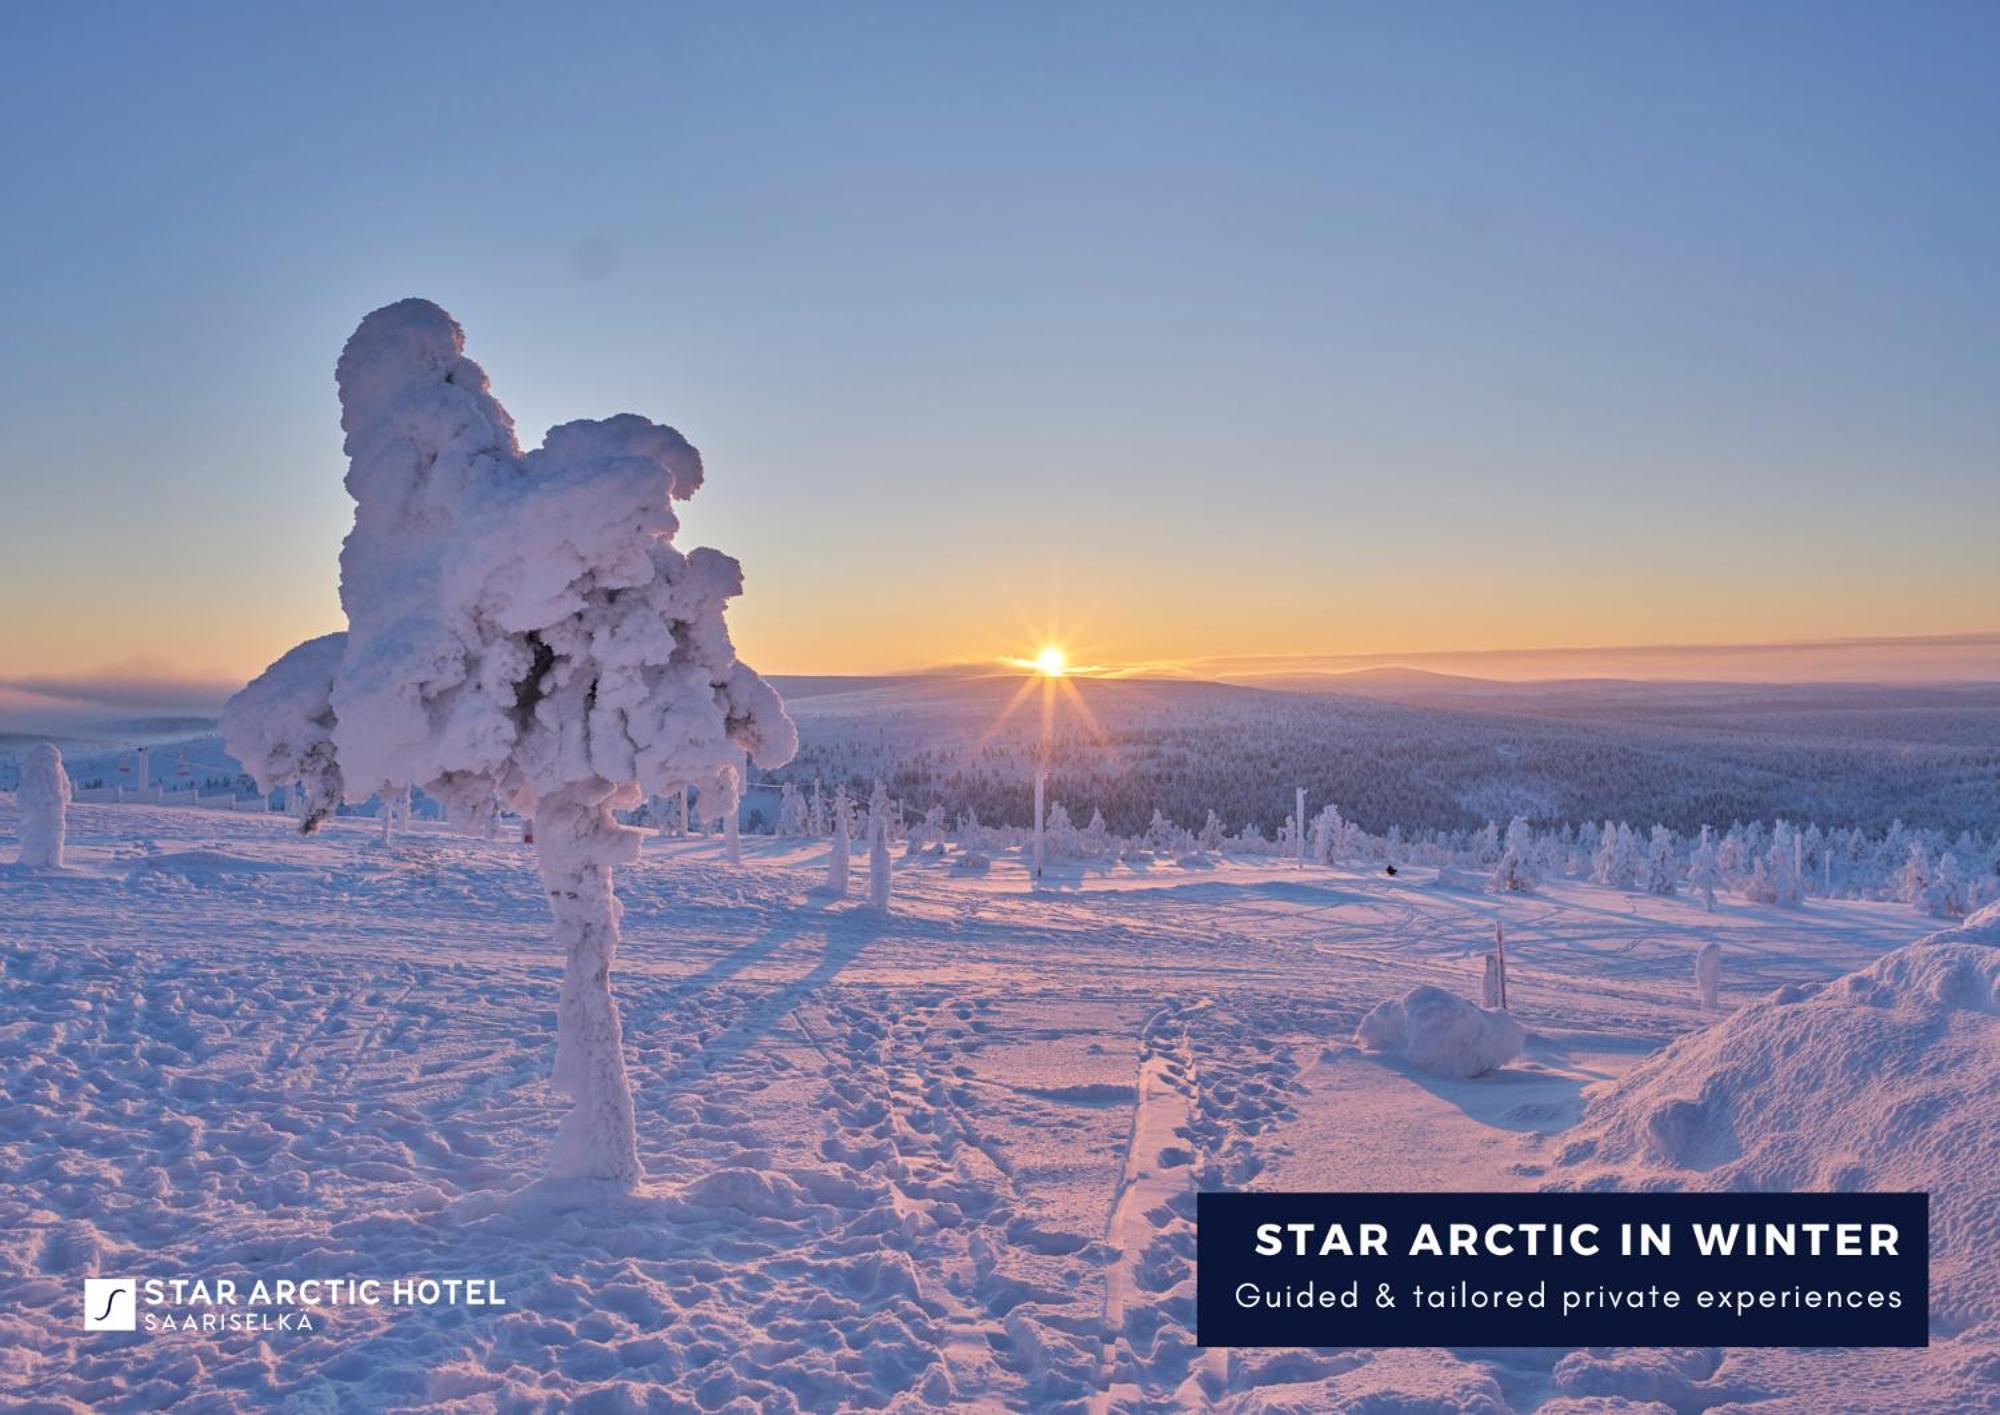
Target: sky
<point x="1169" y="332"/>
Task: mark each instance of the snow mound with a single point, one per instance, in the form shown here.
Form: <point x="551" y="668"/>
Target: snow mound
<point x="1441" y="1034"/>
<point x="1887" y="1079"/>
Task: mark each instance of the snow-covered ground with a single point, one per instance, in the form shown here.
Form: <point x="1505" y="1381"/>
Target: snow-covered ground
<point x="943" y="1157"/>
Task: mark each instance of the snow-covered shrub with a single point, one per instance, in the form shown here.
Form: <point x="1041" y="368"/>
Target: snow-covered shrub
<point x="43" y="797"/>
<point x="1441" y="1034"/>
<point x="521" y="627"/>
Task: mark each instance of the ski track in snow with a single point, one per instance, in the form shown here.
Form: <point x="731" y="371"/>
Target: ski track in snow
<point x="945" y="1158"/>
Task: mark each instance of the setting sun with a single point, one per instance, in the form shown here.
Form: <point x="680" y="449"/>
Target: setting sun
<point x="1051" y="661"/>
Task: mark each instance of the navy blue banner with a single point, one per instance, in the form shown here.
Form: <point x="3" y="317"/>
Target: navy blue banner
<point x="1562" y="1269"/>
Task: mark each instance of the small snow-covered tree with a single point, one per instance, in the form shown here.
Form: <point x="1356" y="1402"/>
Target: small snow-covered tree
<point x="43" y="797"/>
<point x="1915" y="880"/>
<point x="836" y="862"/>
<point x="1731" y="855"/>
<point x="791" y="812"/>
<point x="1661" y="871"/>
<point x="1062" y="833"/>
<point x="1326" y="835"/>
<point x="1514" y="873"/>
<point x="1604" y="863"/>
<point x="878" y="861"/>
<point x="1945" y="896"/>
<point x="1617" y="859"/>
<point x="1708" y="974"/>
<point x="1781" y="867"/>
<point x="1096" y="836"/>
<point x="521" y="626"/>
<point x="728" y="794"/>
<point x="933" y="829"/>
<point x="1212" y="833"/>
<point x="1704" y="871"/>
<point x="1161" y="834"/>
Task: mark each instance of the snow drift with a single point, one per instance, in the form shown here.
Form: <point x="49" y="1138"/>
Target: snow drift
<point x="1886" y="1079"/>
<point x="1441" y="1034"/>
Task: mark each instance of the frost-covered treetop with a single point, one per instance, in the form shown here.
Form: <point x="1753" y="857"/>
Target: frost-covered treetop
<point x="517" y="623"/>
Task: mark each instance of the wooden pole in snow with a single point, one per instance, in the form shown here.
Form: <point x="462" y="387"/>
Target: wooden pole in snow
<point x="1500" y="949"/>
<point x="1299" y="827"/>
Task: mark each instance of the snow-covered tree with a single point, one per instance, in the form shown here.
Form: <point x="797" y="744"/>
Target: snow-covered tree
<point x="728" y="793"/>
<point x="1781" y="867"/>
<point x="1704" y="871"/>
<point x="792" y="821"/>
<point x="1212" y="833"/>
<point x="1731" y="855"/>
<point x="1096" y="836"/>
<point x="1063" y="841"/>
<point x="878" y="860"/>
<point x="1661" y="870"/>
<point x="836" y="863"/>
<point x="1326" y="834"/>
<point x="521" y="626"/>
<point x="1915" y="880"/>
<point x="1708" y="974"/>
<point x="1514" y="873"/>
<point x="1617" y="860"/>
<point x="43" y="797"/>
<point x="932" y="829"/>
<point x="1945" y="896"/>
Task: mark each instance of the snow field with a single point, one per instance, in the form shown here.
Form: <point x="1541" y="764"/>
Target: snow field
<point x="943" y="1157"/>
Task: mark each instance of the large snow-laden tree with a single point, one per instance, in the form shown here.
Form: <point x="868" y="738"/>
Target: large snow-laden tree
<point x="521" y="628"/>
<point x="43" y="797"/>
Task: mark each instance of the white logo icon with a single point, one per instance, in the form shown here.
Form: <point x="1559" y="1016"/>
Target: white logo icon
<point x="111" y="1304"/>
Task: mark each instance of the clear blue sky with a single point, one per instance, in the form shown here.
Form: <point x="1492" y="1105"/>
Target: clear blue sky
<point x="1189" y="329"/>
